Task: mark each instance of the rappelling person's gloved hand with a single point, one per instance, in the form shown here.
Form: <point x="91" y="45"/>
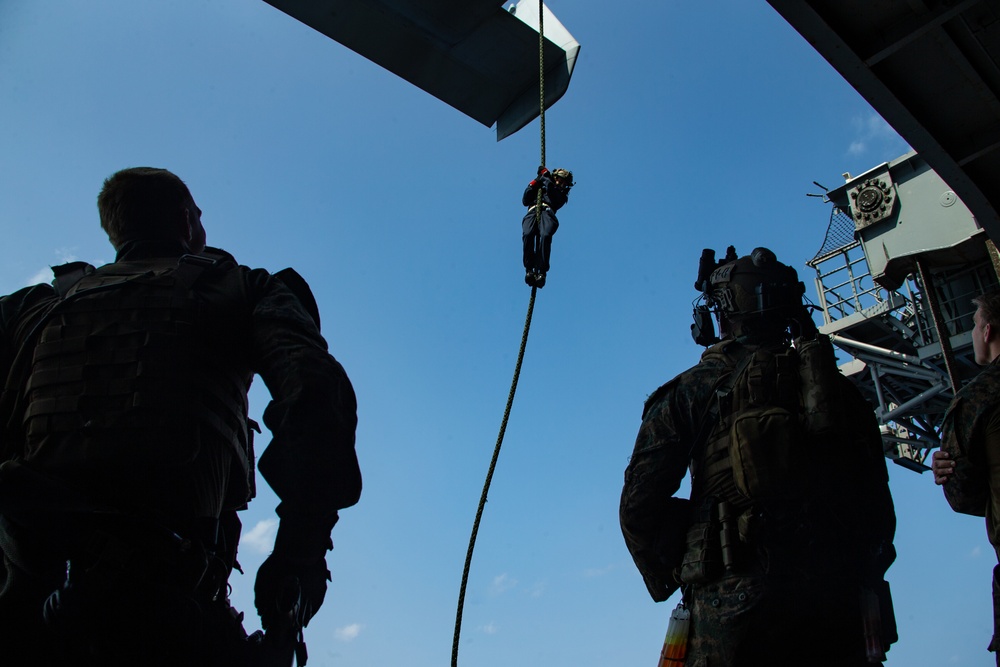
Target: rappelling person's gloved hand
<point x="299" y="556"/>
<point x="542" y="171"/>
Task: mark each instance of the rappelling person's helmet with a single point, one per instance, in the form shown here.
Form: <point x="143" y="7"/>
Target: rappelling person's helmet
<point x="566" y="175"/>
<point x="755" y="297"/>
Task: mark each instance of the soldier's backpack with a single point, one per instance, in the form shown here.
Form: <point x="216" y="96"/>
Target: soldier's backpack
<point x="781" y="411"/>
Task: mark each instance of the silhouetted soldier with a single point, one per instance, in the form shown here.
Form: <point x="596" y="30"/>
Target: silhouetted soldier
<point x="128" y="448"/>
<point x="968" y="463"/>
<point x="781" y="549"/>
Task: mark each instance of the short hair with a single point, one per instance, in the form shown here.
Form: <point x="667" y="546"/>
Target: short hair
<point x="141" y="203"/>
<point x="989" y="307"/>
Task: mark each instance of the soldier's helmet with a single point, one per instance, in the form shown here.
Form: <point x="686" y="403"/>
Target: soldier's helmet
<point x="566" y="175"/>
<point x="756" y="293"/>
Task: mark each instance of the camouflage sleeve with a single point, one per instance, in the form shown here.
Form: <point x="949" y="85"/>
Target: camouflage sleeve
<point x="967" y="490"/>
<point x="310" y="462"/>
<point x="653" y="523"/>
<point x="991" y="456"/>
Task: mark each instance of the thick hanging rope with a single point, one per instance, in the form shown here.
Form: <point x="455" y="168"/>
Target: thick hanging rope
<point x="489" y="478"/>
<point x="541" y="76"/>
<point x="517" y="367"/>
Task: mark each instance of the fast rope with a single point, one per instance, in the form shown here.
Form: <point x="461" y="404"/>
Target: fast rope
<point x="520" y="358"/>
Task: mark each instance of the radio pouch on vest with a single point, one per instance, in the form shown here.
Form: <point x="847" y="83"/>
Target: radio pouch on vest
<point x="764" y="425"/>
<point x="702" y="551"/>
<point x="761" y="447"/>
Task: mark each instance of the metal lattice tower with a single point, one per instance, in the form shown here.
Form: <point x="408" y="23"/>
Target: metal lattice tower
<point x="900" y="263"/>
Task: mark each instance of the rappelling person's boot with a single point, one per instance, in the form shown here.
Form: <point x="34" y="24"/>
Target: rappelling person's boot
<point x="529" y="278"/>
<point x="539" y="279"/>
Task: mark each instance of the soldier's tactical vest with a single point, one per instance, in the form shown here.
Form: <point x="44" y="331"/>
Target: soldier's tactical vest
<point x="775" y="421"/>
<point x="138" y="355"/>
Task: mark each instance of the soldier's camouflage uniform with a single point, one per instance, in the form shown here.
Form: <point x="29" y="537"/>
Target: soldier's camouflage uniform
<point x="971" y="435"/>
<point x="791" y="594"/>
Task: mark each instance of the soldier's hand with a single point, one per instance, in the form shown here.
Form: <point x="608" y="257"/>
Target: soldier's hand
<point x="942" y="466"/>
<point x="272" y="586"/>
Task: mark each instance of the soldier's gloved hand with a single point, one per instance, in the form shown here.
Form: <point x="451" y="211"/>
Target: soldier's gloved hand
<point x="542" y="171"/>
<point x="299" y="554"/>
<point x="279" y="578"/>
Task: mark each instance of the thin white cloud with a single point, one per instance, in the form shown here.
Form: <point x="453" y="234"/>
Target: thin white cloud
<point x="537" y="590"/>
<point x="65" y="255"/>
<point x="873" y="136"/>
<point x="42" y="276"/>
<point x="490" y="628"/>
<point x="591" y="572"/>
<point x="977" y="551"/>
<point x="502" y="583"/>
<point x="348" y="632"/>
<point x="260" y="538"/>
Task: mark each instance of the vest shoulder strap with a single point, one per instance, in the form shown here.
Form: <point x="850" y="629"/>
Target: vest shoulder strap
<point x="68" y="275"/>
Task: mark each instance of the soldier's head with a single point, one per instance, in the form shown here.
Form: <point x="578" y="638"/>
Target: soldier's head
<point x="757" y="298"/>
<point x="563" y="177"/>
<point x="986" y="332"/>
<point x="145" y="203"/>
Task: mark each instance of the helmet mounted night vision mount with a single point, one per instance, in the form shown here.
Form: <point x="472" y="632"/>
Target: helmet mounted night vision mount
<point x="754" y="294"/>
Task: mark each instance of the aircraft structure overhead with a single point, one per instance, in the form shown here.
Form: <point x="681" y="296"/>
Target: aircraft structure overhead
<point x="474" y="55"/>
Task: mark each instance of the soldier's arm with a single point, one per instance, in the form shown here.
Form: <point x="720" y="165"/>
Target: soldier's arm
<point x="651" y="519"/>
<point x="530" y="196"/>
<point x="966" y="488"/>
<point x="310" y="463"/>
<point x="557" y="198"/>
<point x="991" y="454"/>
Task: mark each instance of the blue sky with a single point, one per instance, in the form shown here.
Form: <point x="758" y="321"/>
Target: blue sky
<point x="687" y="125"/>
